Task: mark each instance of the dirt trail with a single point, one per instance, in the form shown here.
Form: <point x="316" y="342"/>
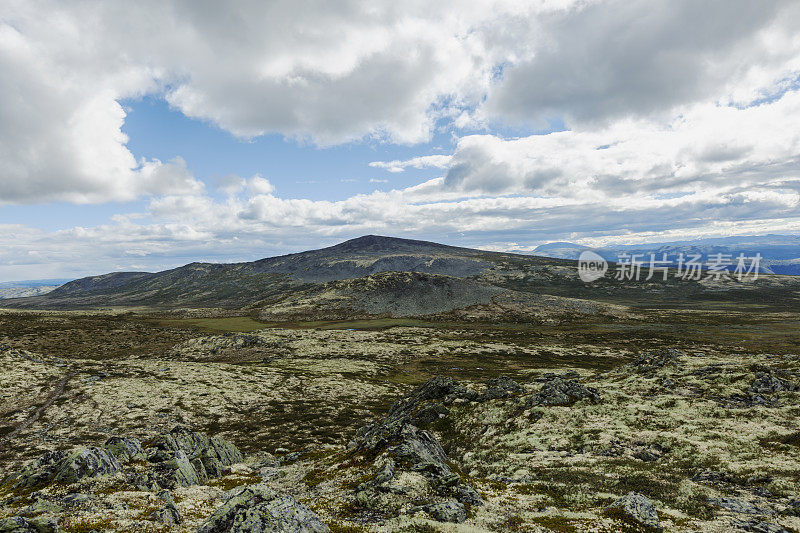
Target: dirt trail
<point x="57" y="391"/>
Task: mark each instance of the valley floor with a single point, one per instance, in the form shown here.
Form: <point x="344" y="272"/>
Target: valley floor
<point x="696" y="410"/>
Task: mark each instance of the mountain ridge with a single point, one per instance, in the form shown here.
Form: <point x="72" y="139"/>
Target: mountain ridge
<point x="451" y="272"/>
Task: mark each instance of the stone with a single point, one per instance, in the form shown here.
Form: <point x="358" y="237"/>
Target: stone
<point x="75" y="498"/>
<point x="793" y="507"/>
<point x="177" y="471"/>
<point x="758" y="526"/>
<point x="563" y="392"/>
<point x="183" y="457"/>
<point x="124" y="449"/>
<point x="637" y="508"/>
<point x="738" y="506"/>
<point x="443" y="390"/>
<point x="502" y="387"/>
<point x="42" y="507"/>
<point x="66" y="467"/>
<point x="412" y="448"/>
<point x="654" y="360"/>
<point x="167" y="515"/>
<point x="18" y="524"/>
<point x="445" y="511"/>
<point x="259" y="509"/>
<point x="466" y="494"/>
<point x="770" y="382"/>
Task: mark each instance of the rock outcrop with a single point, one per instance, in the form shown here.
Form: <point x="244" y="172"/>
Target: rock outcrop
<point x="19" y="524"/>
<point x="259" y="509"/>
<point x="179" y="458"/>
<point x="409" y="448"/>
<point x="66" y="467"/>
<point x="560" y="390"/>
<point x="183" y="457"/>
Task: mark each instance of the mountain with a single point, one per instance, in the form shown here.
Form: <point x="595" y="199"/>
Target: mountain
<point x="239" y="285"/>
<point x="780" y="253"/>
<point x="32" y="283"/>
<point x="29" y="287"/>
<point x="387" y="276"/>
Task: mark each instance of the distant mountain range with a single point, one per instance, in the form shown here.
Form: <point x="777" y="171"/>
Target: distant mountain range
<point x="780" y="253"/>
<point x="29" y="287"/>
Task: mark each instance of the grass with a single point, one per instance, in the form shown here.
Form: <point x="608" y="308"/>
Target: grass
<point x="235" y="324"/>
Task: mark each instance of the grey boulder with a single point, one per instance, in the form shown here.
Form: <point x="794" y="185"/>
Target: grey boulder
<point x="259" y="509"/>
<point x="66" y="467"/>
<point x="564" y="392"/>
<point x="445" y="511"/>
<point x="636" y="508"/>
<point x="18" y="524"/>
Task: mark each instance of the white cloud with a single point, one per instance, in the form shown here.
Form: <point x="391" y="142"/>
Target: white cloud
<point x="343" y="71"/>
<point x="424" y="161"/>
<point x="619" y="58"/>
<point x="259" y="185"/>
<point x="709" y="147"/>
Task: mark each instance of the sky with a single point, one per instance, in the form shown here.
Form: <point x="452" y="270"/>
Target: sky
<point x="146" y="135"/>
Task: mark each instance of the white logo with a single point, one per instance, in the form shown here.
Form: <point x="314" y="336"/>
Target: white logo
<point x="591" y="266"/>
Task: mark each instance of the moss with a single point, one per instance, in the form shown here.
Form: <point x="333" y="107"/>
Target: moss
<point x="514" y="523"/>
<point x="553" y="523"/>
<point x="337" y="527"/>
<point x="625" y="524"/>
<point x="317" y="476"/>
<point x="86" y="525"/>
<point x="231" y="482"/>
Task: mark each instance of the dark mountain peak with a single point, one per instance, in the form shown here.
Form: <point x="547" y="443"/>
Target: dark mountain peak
<point x="381" y="244"/>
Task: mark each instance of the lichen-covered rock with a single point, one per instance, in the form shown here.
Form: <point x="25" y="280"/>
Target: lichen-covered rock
<point x="259" y="509"/>
<point x="637" y="508"/>
<point x="167" y="515"/>
<point x="793" y="507"/>
<point x="214" y="451"/>
<point x="418" y="448"/>
<point x="736" y="505"/>
<point x="177" y="471"/>
<point x="445" y="511"/>
<point x="424" y="404"/>
<point x="466" y="494"/>
<point x="770" y="382"/>
<point x="651" y="361"/>
<point x="124" y="449"/>
<point x="560" y="391"/>
<point x="759" y="526"/>
<point x="66" y="467"/>
<point x="502" y="387"/>
<point x="42" y="506"/>
<point x="413" y="450"/>
<point x="19" y="524"/>
<point x="183" y="457"/>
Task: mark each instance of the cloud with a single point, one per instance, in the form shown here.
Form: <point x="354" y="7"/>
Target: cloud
<point x="623" y="58"/>
<point x="424" y="161"/>
<point x="709" y="147"/>
<point x="259" y="185"/>
<point x="338" y="72"/>
<point x="60" y="134"/>
<point x="680" y="119"/>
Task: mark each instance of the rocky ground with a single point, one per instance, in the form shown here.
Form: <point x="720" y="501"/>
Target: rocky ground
<point x="639" y="425"/>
